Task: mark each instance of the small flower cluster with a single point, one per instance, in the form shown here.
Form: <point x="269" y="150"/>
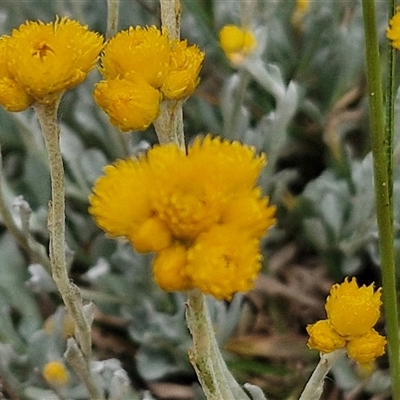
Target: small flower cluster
<point x="141" y="67"/>
<point x="352" y="312"/>
<point x="201" y="212"/>
<point x="39" y="61"/>
<point x="236" y="43"/>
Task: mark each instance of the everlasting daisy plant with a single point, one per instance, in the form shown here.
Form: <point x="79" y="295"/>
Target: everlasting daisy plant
<point x="201" y="212"/>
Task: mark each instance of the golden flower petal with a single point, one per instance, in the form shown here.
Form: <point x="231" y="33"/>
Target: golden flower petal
<point x="132" y="105"/>
<point x="323" y="337"/>
<point x="49" y="58"/>
<point x="353" y="310"/>
<point x="223" y="261"/>
<point x="120" y="202"/>
<point x="169" y="269"/>
<point x="236" y="43"/>
<point x="142" y="50"/>
<point x="250" y="212"/>
<point x="366" y="348"/>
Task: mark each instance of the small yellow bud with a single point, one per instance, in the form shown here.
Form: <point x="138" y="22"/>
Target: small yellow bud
<point x="236" y="43"/>
<point x="55" y="373"/>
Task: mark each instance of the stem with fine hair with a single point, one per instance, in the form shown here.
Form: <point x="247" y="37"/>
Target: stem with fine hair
<point x="381" y="151"/>
<point x="215" y="378"/>
<point x="169" y="124"/>
<point x="70" y="293"/>
<point x="112" y="17"/>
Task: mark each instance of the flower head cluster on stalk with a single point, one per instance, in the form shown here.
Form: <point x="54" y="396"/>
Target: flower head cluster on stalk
<point x="141" y="67"/>
<point x="352" y="313"/>
<point x="200" y="211"/>
<point x="39" y="61"/>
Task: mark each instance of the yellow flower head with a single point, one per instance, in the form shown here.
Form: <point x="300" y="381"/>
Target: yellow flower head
<point x="132" y="105"/>
<point x="393" y="30"/>
<point x="143" y="50"/>
<point x="55" y="373"/>
<point x="46" y="59"/>
<point x="364" y="349"/>
<point x="236" y="43"/>
<point x="181" y="204"/>
<point x="323" y="337"/>
<point x="352" y="310"/>
<point x="184" y="67"/>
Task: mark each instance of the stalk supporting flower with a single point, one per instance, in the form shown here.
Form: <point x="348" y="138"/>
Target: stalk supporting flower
<point x="201" y="212"/>
<point x="383" y="184"/>
<point x="215" y="378"/>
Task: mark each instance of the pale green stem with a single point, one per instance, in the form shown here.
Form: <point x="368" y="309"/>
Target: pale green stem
<point x="169" y="125"/>
<point x="112" y="17"/>
<point x="383" y="191"/>
<point x="47" y="114"/>
<point x="171" y="11"/>
<point x="216" y="380"/>
<point x="315" y="384"/>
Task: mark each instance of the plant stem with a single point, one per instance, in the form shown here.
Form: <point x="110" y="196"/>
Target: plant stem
<point x="169" y="125"/>
<point x="315" y="384"/>
<point x="70" y="293"/>
<point x="216" y="380"/>
<point x="383" y="191"/>
<point x="112" y="17"/>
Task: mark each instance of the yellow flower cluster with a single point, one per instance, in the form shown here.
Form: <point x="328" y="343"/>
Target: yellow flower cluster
<point x="141" y="67"/>
<point x="55" y="373"/>
<point x="201" y="212"/>
<point x="39" y="61"/>
<point x="236" y="43"/>
<point x="352" y="313"/>
<point x="393" y="30"/>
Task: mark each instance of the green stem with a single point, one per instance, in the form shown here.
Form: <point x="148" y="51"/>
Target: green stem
<point x="383" y="191"/>
<point x="390" y="103"/>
